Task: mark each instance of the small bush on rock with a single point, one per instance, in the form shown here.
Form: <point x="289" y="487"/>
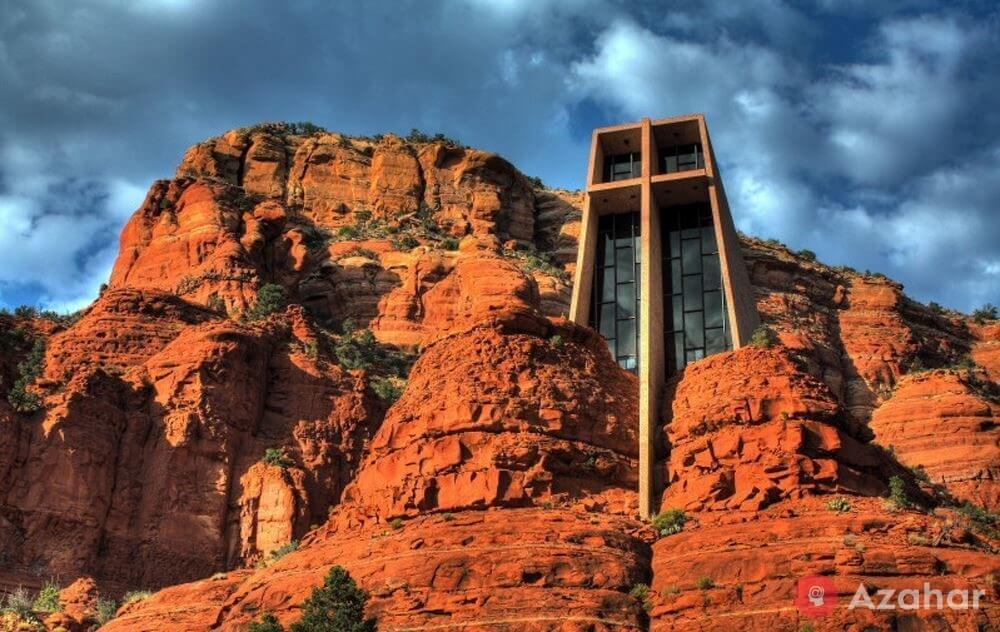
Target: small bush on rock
<point x="641" y="593"/>
<point x="268" y="623"/>
<point x="897" y="493"/>
<point x="106" y="609"/>
<point x="277" y="458"/>
<point x="270" y="300"/>
<point x="670" y="522"/>
<point x="48" y="598"/>
<point x="133" y="596"/>
<point x="985" y="313"/>
<point x="839" y="504"/>
<point x="764" y="337"/>
<point x="28" y="370"/>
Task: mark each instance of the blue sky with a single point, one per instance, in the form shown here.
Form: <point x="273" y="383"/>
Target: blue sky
<point x="868" y="132"/>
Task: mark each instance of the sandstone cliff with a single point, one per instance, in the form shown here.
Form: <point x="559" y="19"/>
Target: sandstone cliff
<point x="182" y="434"/>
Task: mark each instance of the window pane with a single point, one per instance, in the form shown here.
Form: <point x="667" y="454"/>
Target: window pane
<point x="692" y="293"/>
<point x="611" y="347"/>
<point x="625" y="265"/>
<point x="608" y="320"/>
<point x="607" y="285"/>
<point x="692" y="255"/>
<point x="626" y="300"/>
<point x="694" y="355"/>
<point x="675" y="244"/>
<point x="707" y="240"/>
<point x="713" y="309"/>
<point x="608" y="247"/>
<point x="694" y="330"/>
<point x="710" y="265"/>
<point x="626" y="337"/>
<point x="670" y="164"/>
<point x="677" y="309"/>
<point x="679" y="349"/>
<point x="715" y="341"/>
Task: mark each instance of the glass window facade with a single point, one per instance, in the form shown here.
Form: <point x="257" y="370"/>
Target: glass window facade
<point x="694" y="310"/>
<point x="675" y="158"/>
<point x="615" y="304"/>
<point x="622" y="166"/>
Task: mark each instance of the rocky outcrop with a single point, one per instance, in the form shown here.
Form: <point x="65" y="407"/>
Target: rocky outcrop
<point x="486" y="500"/>
<point x="945" y="423"/>
<point x="749" y="428"/>
<point x="757" y="451"/>
<point x="513" y="412"/>
<point x="148" y="477"/>
<point x="354" y="228"/>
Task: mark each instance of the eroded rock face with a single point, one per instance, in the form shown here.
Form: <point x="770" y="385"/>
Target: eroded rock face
<point x="749" y="428"/>
<point x="262" y="206"/>
<point x="502" y="416"/>
<point x="516" y="569"/>
<point x="740" y="570"/>
<point x="946" y="423"/>
<point x="148" y="478"/>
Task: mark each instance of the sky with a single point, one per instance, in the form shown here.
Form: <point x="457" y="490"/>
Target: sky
<point x="867" y="132"/>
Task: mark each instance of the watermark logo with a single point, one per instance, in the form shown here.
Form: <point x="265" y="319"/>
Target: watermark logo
<point x="816" y="596"/>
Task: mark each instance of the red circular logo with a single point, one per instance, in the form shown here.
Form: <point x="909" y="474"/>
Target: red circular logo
<point x="816" y="596"/>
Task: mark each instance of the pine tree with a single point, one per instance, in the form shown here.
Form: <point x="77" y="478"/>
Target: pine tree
<point x="337" y="606"/>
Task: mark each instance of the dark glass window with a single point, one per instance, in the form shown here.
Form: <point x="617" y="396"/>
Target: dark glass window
<point x="615" y="311"/>
<point x="622" y="166"/>
<point x="675" y="158"/>
<point x="694" y="304"/>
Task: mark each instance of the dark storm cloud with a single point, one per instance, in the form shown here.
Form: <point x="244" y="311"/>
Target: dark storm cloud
<point x="846" y="127"/>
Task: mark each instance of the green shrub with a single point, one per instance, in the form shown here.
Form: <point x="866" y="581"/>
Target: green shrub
<point x="21" y="603"/>
<point x="348" y="233"/>
<point x="764" y="337"/>
<point x="270" y="300"/>
<point x="556" y="341"/>
<point x="48" y="598"/>
<point x="133" y="596"/>
<point x="28" y="370"/>
<point x="25" y="312"/>
<point x="449" y="243"/>
<point x="405" y="242"/>
<point x="985" y="313"/>
<point x="983" y="521"/>
<point x="705" y="583"/>
<point x="360" y="252"/>
<point x="277" y="457"/>
<point x="839" y="504"/>
<point x="337" y="606"/>
<point x="268" y="623"/>
<point x="358" y="350"/>
<point x="537" y="183"/>
<point x="279" y="553"/>
<point x="920" y="473"/>
<point x="808" y="255"/>
<point x="106" y="609"/>
<point x="670" y="522"/>
<point x="316" y="239"/>
<point x="396" y="523"/>
<point x="641" y="593"/>
<point x="936" y="308"/>
<point x="897" y="493"/>
<point x="387" y="389"/>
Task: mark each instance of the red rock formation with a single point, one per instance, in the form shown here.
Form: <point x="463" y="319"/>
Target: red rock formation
<point x="749" y="428"/>
<point x="253" y="205"/>
<point x="497" y="417"/>
<point x="946" y="422"/>
<point x="756" y="452"/>
<point x="499" y="493"/>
